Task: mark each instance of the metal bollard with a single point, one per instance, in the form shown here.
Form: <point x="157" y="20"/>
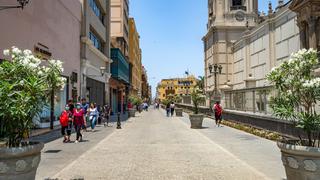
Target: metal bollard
<point x="119" y="122"/>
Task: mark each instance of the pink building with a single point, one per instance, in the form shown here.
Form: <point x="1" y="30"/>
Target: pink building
<point x="51" y="29"/>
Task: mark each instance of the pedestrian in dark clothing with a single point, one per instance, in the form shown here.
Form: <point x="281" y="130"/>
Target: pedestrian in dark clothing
<point x="172" y="106"/>
<point x="168" y="109"/>
<point x="71" y="105"/>
<point x="107" y="112"/>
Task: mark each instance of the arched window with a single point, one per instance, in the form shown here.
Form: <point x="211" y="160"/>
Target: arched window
<point x="236" y="2"/>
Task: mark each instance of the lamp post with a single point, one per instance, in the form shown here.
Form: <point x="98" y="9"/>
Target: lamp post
<point x="22" y="3"/>
<point x="217" y="69"/>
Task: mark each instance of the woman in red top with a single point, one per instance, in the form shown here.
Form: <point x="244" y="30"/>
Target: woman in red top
<point x="66" y="123"/>
<point x="217" y="113"/>
<point x="78" y="121"/>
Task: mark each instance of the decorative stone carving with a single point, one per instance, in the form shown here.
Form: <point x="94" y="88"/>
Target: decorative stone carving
<point x="3" y="168"/>
<point x="309" y="165"/>
<point x="35" y="161"/>
<point x="21" y="165"/>
<point x="293" y="163"/>
<point x="284" y="160"/>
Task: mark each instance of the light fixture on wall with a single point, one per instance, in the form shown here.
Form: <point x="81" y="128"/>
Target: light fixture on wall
<point x="22" y="3"/>
<point x="103" y="71"/>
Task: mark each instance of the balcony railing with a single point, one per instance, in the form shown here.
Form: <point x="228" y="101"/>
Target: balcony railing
<point x="233" y="8"/>
<point x="120" y="67"/>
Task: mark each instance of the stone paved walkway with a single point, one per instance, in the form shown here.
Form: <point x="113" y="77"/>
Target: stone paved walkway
<point x="156" y="147"/>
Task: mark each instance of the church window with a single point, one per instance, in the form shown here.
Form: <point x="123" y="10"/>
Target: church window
<point x="236" y="2"/>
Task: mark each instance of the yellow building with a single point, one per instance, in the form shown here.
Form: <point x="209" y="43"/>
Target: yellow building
<point x="176" y="86"/>
<point x="135" y="59"/>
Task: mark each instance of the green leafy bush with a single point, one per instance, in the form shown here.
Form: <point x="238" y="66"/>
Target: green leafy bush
<point x="24" y="88"/>
<point x="197" y="98"/>
<point x="297" y="93"/>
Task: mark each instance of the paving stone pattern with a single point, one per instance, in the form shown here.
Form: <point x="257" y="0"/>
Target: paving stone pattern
<point x="152" y="146"/>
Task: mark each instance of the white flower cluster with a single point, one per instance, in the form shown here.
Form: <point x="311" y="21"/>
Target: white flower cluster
<point x="28" y="60"/>
<point x="25" y="57"/>
<point x="57" y="63"/>
<point x="313" y="83"/>
<point x="304" y="57"/>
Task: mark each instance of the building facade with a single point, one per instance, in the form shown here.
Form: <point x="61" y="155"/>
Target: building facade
<point x="135" y="59"/>
<point x="38" y="27"/>
<point x="227" y="20"/>
<point x="182" y="87"/>
<point x="95" y="51"/>
<point x="257" y="50"/>
<point x="120" y="82"/>
<point x="144" y="85"/>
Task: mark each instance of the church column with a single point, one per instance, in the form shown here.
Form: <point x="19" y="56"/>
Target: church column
<point x="303" y="35"/>
<point x="312" y="22"/>
<point x="318" y="33"/>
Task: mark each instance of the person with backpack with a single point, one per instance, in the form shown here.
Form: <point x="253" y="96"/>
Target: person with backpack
<point x="66" y="123"/>
<point x="217" y="113"/>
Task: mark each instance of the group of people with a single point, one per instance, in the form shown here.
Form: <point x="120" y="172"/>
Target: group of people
<point x="170" y="109"/>
<point x="76" y="115"/>
<point x="217" y="109"/>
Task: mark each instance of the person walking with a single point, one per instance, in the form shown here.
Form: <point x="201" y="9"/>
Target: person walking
<point x="78" y="121"/>
<point x="71" y="105"/>
<point x="93" y="115"/>
<point x="85" y="107"/>
<point x="168" y="109"/>
<point x="107" y="112"/>
<point x="172" y="106"/>
<point x="66" y="123"/>
<point x="217" y="113"/>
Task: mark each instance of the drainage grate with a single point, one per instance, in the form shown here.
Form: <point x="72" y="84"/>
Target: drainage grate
<point x="52" y="151"/>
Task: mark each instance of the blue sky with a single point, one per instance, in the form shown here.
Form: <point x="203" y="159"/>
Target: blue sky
<point x="171" y="32"/>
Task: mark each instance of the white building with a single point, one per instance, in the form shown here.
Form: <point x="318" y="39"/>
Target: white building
<point x="248" y="45"/>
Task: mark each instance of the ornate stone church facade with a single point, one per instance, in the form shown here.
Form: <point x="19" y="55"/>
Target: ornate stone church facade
<point x="248" y="44"/>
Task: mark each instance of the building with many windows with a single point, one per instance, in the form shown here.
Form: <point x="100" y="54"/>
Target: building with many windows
<point x="182" y="87"/>
<point x="135" y="59"/>
<point x="120" y="82"/>
<point x="95" y="51"/>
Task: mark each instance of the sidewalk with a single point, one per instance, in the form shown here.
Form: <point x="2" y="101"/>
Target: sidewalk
<point x="153" y="146"/>
<point x="57" y="155"/>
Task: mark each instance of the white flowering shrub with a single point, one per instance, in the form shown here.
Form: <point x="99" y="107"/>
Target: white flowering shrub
<point x="298" y="91"/>
<point x="24" y="89"/>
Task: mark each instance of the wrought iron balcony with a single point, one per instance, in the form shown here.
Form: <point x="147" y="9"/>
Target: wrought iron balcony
<point x="120" y="66"/>
<point x="238" y="7"/>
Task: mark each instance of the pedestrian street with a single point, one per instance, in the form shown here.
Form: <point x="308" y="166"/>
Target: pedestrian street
<point x="153" y="146"/>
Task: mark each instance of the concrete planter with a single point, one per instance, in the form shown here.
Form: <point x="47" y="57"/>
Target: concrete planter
<point x="132" y="112"/>
<point x="20" y="163"/>
<point x="300" y="162"/>
<point x="196" y="121"/>
<point x="178" y="112"/>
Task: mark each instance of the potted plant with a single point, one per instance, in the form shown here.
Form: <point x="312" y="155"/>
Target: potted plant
<point x="196" y="119"/>
<point x="297" y="94"/>
<point x="23" y="94"/>
<point x="132" y="103"/>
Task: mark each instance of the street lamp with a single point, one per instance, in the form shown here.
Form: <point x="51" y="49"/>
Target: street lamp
<point x="217" y="69"/>
<point x="22" y="3"/>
